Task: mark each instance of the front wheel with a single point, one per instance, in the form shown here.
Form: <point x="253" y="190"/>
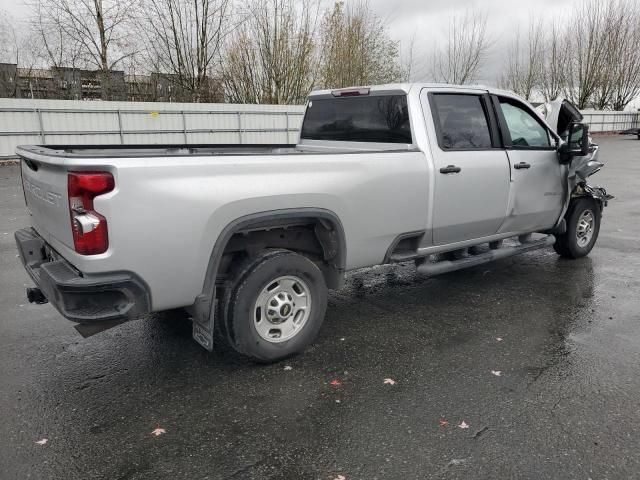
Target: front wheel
<point x="276" y="306"/>
<point x="583" y="226"/>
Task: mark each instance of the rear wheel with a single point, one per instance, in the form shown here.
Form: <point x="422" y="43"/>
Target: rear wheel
<point x="583" y="226"/>
<point x="276" y="305"/>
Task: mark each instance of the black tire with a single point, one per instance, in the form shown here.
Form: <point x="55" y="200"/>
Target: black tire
<point x="567" y="244"/>
<point x="250" y="280"/>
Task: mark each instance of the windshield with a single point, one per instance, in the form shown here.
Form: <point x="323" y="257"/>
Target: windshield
<point x="381" y="119"/>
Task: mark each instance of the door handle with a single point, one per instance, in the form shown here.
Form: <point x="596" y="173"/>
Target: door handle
<point x="521" y="165"/>
<point x="450" y="169"/>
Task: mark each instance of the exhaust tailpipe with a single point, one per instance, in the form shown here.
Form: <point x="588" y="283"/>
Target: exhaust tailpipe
<point x="35" y="295"/>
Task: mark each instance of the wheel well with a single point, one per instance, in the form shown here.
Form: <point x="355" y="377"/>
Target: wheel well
<point x="597" y="201"/>
<point x="317" y="238"/>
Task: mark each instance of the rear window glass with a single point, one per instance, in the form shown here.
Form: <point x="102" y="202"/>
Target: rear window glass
<point x="383" y="119"/>
<point x="463" y="122"/>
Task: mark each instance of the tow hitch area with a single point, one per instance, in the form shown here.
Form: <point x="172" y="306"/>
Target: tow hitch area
<point x="35" y="295"/>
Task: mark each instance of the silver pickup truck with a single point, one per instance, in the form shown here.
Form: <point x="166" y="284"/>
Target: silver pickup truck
<point x="249" y="238"/>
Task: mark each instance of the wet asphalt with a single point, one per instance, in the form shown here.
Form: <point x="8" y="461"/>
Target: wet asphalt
<point x="565" y="406"/>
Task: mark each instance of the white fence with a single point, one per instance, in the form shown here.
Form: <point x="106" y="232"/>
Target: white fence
<point x="609" y="121"/>
<point x="76" y="122"/>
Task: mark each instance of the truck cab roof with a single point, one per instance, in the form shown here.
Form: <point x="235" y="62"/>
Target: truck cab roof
<point x="406" y="88"/>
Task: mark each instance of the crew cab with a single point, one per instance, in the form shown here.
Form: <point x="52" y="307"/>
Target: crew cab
<point x="248" y="238"/>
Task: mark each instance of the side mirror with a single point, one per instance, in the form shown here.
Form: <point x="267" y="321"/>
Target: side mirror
<point x="577" y="144"/>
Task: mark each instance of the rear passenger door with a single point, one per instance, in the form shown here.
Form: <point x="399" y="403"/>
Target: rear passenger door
<point x="471" y="188"/>
<point x="537" y="187"/>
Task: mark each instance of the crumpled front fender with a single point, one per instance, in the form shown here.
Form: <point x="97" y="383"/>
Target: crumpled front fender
<point x="578" y="171"/>
<point x="594" y="191"/>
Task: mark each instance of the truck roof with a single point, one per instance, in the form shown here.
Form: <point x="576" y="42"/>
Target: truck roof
<point x="399" y="88"/>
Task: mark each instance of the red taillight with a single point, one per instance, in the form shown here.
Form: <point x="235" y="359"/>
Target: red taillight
<point x="89" y="228"/>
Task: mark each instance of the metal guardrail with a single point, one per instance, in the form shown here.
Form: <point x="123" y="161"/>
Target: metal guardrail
<point x="290" y="124"/>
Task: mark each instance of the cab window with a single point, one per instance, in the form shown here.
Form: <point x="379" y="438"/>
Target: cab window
<point x="461" y="121"/>
<point x="525" y="129"/>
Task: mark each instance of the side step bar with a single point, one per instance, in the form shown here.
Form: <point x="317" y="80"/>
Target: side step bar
<point x="444" y="266"/>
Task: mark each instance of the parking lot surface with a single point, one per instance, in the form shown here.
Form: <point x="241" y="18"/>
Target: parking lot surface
<point x="539" y="357"/>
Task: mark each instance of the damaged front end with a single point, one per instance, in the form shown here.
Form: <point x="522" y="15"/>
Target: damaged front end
<point x="580" y="169"/>
<point x="578" y="153"/>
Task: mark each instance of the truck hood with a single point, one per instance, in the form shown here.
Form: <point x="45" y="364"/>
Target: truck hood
<point x="559" y="113"/>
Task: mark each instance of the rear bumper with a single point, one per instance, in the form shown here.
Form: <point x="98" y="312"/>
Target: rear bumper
<point x="81" y="298"/>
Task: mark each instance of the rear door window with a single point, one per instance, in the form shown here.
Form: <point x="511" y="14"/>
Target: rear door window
<point x="380" y="119"/>
<point x="461" y="121"/>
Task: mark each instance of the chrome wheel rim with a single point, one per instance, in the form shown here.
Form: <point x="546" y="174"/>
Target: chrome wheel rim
<point x="282" y="309"/>
<point x="584" y="231"/>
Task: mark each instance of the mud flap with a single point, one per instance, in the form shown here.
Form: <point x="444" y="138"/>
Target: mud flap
<point x="203" y="320"/>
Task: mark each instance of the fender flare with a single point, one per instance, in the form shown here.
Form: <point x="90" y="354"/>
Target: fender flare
<point x="204" y="308"/>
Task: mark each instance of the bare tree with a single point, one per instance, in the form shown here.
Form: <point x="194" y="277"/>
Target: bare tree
<point x="8" y="38"/>
<point x="408" y="56"/>
<point x="9" y="53"/>
<point x="612" y="33"/>
<point x="57" y="50"/>
<point x="459" y="61"/>
<point x="554" y="64"/>
<point x="18" y="50"/>
<point x="524" y="61"/>
<point x="593" y="58"/>
<point x="356" y="48"/>
<point x="184" y="40"/>
<point x="92" y="30"/>
<point x="585" y="40"/>
<point x="271" y="57"/>
<point x="624" y="57"/>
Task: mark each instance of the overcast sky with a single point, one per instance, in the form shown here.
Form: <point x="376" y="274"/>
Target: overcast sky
<point x="426" y="20"/>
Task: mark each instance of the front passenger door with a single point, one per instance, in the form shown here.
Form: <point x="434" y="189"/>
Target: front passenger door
<point x="537" y="192"/>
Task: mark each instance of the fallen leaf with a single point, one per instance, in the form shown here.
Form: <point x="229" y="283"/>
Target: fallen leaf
<point x="463" y="424"/>
<point x="389" y="381"/>
<point x="158" y="431"/>
<point x="443" y="422"/>
<point x="42" y="442"/>
<point x="288" y="367"/>
<point x="498" y="339"/>
<point x="337" y="401"/>
<point x="342" y="339"/>
<point x="497" y="373"/>
<point x="340" y="477"/>
<point x="335" y="382"/>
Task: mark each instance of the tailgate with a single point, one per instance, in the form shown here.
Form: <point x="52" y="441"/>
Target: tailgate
<point x="45" y="191"/>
